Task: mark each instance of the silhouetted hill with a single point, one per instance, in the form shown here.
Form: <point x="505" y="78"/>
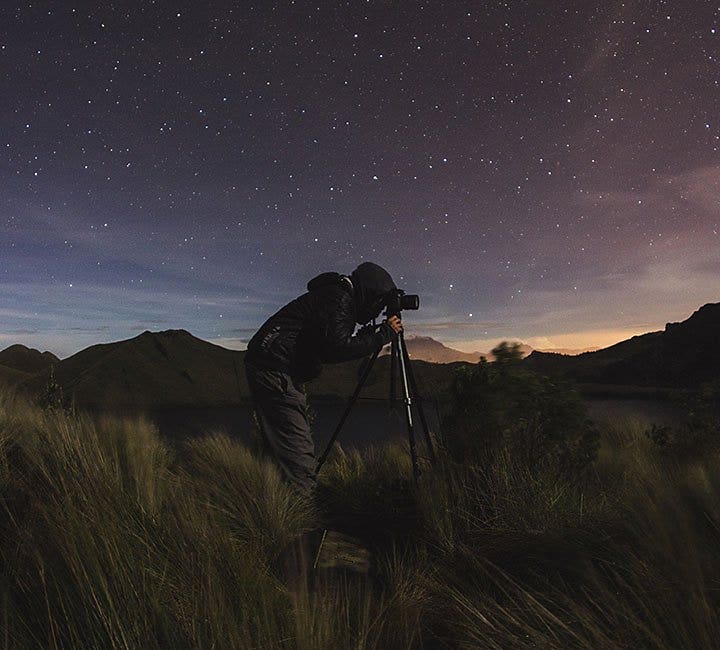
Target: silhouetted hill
<point x="27" y="360"/>
<point x="684" y="355"/>
<point x="152" y="370"/>
<point x="174" y="368"/>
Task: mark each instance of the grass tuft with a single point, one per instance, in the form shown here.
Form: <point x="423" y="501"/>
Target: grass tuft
<point x="109" y="538"/>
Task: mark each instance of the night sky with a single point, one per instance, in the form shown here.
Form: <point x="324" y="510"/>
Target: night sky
<point x="543" y="171"/>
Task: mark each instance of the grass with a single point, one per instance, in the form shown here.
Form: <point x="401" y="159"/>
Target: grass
<point x="111" y="539"/>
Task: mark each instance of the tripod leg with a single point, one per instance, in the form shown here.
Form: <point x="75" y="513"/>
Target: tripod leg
<point x="408" y="408"/>
<point x="348" y="408"/>
<point x="419" y="403"/>
<point x="393" y="371"/>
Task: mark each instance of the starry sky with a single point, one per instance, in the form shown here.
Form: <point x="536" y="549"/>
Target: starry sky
<point x="541" y="171"/>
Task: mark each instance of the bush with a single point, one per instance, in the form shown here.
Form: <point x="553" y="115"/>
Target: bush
<point x="699" y="434"/>
<point x="503" y="406"/>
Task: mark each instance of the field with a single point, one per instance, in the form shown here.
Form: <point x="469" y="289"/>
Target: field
<point x="111" y="538"/>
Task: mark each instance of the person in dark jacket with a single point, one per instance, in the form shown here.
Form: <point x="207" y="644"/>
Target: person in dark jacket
<point x="291" y="346"/>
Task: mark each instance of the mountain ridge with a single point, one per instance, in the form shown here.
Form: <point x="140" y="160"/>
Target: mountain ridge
<point x="24" y="359"/>
<point x="173" y="368"/>
<point x="683" y="355"/>
<point x="152" y="369"/>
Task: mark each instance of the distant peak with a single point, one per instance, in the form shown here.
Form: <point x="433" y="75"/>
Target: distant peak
<point x="420" y="338"/>
<point x="180" y="332"/>
<point x="21" y="357"/>
<point x="16" y="347"/>
<point x="19" y="347"/>
<point x="166" y="333"/>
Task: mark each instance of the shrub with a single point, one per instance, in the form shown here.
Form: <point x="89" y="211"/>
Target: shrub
<point x="699" y="433"/>
<point x="503" y="405"/>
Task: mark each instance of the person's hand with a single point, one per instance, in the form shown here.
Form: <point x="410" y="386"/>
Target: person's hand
<point x="395" y="323"/>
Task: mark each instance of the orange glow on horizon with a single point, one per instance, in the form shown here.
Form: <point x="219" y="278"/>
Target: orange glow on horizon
<point x="576" y="341"/>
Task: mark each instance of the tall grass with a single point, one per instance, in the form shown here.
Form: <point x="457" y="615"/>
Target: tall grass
<point x="111" y="539"/>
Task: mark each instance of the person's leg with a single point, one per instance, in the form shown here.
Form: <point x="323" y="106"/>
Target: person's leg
<point x="282" y="413"/>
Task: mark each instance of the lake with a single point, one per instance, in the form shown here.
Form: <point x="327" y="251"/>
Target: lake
<point x="368" y="423"/>
<point x="371" y="422"/>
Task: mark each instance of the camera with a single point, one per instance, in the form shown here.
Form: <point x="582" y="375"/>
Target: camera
<point x="397" y="300"/>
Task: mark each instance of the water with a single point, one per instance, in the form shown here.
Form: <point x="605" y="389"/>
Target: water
<point x="368" y="423"/>
<point x="371" y="423"/>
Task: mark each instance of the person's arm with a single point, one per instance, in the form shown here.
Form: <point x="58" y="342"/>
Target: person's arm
<point x="338" y="341"/>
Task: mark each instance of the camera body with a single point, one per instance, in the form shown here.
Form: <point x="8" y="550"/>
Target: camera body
<point x="397" y="300"/>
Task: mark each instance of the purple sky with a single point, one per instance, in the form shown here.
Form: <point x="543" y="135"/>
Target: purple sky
<point x="539" y="171"/>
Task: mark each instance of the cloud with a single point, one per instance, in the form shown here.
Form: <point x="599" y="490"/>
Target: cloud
<point x="16" y="313"/>
<point x="149" y="324"/>
<point x="612" y="40"/>
<point x="580" y="340"/>
<point x="141" y="248"/>
<point x="243" y="330"/>
<point x="585" y="340"/>
<point x="635" y="290"/>
<point x="98" y="329"/>
<point x="651" y="255"/>
<point x="67" y="319"/>
<point x="672" y="203"/>
<point x="458" y="325"/>
<point x="701" y="187"/>
<point x="710" y="267"/>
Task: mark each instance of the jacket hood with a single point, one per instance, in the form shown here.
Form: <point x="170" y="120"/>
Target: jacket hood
<point x="371" y="283"/>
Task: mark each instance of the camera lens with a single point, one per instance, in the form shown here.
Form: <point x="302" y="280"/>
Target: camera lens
<point x="410" y="301"/>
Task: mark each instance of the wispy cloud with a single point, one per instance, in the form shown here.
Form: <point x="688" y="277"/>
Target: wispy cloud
<point x="700" y="186"/>
<point x="68" y="318"/>
<point x="612" y="40"/>
<point x="243" y="330"/>
<point x="455" y="325"/>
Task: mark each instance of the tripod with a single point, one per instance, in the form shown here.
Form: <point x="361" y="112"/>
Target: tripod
<point x="399" y="360"/>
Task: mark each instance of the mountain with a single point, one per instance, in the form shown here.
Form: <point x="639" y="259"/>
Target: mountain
<point x="160" y="370"/>
<point x="27" y="360"/>
<point x="157" y="370"/>
<point x="426" y="348"/>
<point x="683" y="355"/>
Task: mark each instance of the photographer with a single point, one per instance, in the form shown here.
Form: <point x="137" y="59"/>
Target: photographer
<point x="291" y="346"/>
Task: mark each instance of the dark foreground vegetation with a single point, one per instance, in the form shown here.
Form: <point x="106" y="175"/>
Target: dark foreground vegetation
<point x="536" y="530"/>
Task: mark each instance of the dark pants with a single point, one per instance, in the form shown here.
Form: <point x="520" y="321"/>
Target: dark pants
<point x="281" y="408"/>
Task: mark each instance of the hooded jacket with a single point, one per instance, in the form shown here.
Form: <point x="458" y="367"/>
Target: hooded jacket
<point x="317" y="327"/>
